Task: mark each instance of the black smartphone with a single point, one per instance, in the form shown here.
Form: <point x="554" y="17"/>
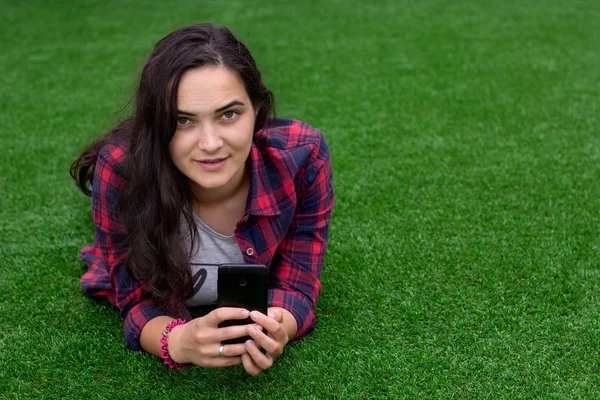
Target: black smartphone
<point x="244" y="286"/>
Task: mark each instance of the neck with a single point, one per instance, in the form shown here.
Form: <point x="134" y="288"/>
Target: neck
<point x="238" y="186"/>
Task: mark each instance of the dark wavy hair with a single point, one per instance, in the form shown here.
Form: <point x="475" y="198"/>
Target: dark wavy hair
<point x="157" y="193"/>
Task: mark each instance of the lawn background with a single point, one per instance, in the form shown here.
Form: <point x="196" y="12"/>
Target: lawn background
<point x="464" y="252"/>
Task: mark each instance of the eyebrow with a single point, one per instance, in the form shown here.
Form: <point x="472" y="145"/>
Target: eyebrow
<point x="225" y="107"/>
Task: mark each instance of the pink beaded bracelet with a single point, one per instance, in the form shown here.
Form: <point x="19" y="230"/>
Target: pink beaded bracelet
<point x="163" y="349"/>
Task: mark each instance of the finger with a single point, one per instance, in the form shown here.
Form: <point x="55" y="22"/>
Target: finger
<point x="230" y="350"/>
<point x="263" y="361"/>
<point x="276" y="314"/>
<point x="217" y="362"/>
<point x="274" y="328"/>
<point x="249" y="365"/>
<point x="218" y="315"/>
<point x="230" y="332"/>
<point x="270" y="344"/>
<point x="268" y="323"/>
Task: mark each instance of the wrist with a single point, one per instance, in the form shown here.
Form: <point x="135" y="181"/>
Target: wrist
<point x="174" y="342"/>
<point x="290" y="324"/>
<point x="165" y="349"/>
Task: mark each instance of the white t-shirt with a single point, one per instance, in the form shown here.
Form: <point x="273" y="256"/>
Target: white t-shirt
<point x="211" y="250"/>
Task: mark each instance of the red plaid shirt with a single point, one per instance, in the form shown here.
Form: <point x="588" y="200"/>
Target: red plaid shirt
<point x="285" y="226"/>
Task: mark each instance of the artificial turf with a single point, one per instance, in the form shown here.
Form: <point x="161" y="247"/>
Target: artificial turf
<point x="464" y="246"/>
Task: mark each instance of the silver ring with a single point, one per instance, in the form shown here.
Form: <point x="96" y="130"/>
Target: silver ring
<point x="221" y="352"/>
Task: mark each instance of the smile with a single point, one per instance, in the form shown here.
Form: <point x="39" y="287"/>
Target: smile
<point x="212" y="164"/>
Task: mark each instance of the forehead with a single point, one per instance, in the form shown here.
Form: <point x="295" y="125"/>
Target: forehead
<point x="208" y="88"/>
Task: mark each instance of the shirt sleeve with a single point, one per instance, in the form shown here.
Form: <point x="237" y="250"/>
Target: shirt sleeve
<point x="127" y="293"/>
<point x="298" y="262"/>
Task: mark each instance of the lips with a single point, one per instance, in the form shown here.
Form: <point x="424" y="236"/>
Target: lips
<point x="212" y="161"/>
<point x="212" y="164"/>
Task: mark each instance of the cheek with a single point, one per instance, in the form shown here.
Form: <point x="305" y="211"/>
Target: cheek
<point x="172" y="149"/>
<point x="244" y="141"/>
<point x="177" y="148"/>
<point x="242" y="145"/>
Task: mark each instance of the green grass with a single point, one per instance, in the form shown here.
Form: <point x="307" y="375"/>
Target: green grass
<point x="465" y="249"/>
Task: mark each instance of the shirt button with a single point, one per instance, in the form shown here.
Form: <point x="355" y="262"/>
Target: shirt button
<point x="250" y="251"/>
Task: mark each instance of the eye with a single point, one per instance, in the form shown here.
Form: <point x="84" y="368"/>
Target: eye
<point x="229" y="115"/>
<point x="183" y="121"/>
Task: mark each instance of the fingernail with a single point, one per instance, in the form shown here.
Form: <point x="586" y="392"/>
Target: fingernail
<point x="249" y="344"/>
<point x="271" y="315"/>
<point x="245" y="313"/>
<point x="251" y="329"/>
<point x="254" y="314"/>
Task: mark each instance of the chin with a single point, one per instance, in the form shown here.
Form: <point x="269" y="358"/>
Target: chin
<point x="209" y="186"/>
<point x="212" y="184"/>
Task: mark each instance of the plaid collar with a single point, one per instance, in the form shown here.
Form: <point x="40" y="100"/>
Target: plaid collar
<point x="262" y="199"/>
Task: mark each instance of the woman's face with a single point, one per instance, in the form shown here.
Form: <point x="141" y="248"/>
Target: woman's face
<point x="215" y="125"/>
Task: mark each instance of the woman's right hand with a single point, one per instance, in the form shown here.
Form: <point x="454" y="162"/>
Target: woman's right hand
<point x="198" y="341"/>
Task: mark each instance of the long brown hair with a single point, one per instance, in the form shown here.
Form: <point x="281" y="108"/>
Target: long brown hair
<point x="157" y="193"/>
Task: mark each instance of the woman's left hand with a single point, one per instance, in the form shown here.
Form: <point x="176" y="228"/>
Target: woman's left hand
<point x="280" y="327"/>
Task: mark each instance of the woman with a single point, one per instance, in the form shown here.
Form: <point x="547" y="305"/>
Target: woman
<point x="201" y="173"/>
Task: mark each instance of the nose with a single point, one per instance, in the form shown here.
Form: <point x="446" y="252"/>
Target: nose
<point x="209" y="140"/>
